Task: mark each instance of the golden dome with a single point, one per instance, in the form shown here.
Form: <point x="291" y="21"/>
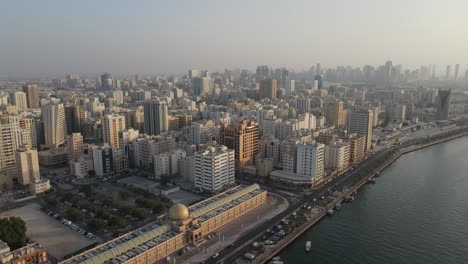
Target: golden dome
<point x="178" y="212"/>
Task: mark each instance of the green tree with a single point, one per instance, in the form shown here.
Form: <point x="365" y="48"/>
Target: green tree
<point x="13" y="232"/>
<point x="158" y="207"/>
<point x="140" y="213"/>
<point x="74" y="214"/>
<point x="124" y="195"/>
<point x="88" y="190"/>
<point x="109" y="201"/>
<point x="118" y="221"/>
<point x="96" y="224"/>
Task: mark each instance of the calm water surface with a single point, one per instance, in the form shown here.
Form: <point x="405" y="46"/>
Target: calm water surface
<point x="416" y="213"/>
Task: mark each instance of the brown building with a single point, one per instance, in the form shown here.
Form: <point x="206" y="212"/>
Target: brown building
<point x="334" y="113"/>
<point x="357" y="147"/>
<point x="32" y="95"/>
<point x="31" y="254"/>
<point x="74" y="117"/>
<point x="243" y="138"/>
<point x="184" y="120"/>
<point x="173" y="123"/>
<point x="268" y="89"/>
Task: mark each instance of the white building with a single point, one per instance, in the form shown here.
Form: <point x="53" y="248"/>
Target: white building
<point x="10" y="140"/>
<point x="167" y="164"/>
<point x="187" y="168"/>
<point x="53" y="119"/>
<point x="27" y="165"/>
<point x="103" y="160"/>
<point x="118" y="97"/>
<point x="336" y="155"/>
<point x="214" y="168"/>
<point x="19" y="99"/>
<point x="310" y="160"/>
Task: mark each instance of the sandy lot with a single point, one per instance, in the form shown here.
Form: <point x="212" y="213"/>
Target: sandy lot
<point x="56" y="237"/>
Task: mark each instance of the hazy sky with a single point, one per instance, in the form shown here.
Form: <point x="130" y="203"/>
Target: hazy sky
<point x="56" y="37"/>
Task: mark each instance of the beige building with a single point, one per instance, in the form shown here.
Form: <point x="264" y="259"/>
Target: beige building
<point x="357" y="147"/>
<point x="32" y="95"/>
<point x="111" y="126"/>
<point x="53" y="119"/>
<point x="27" y="165"/>
<point x="264" y="166"/>
<point x="10" y="140"/>
<point x="361" y="122"/>
<point x="181" y="227"/>
<point x="244" y="139"/>
<point x="52" y="157"/>
<point x="334" y="113"/>
<point x="19" y="99"/>
<point x="74" y="146"/>
<point x="40" y="186"/>
<point x="337" y="155"/>
<point x="268" y="89"/>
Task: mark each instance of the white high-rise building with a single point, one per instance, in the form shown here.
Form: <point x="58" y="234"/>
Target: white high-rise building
<point x="74" y="146"/>
<point x="111" y="126"/>
<point x="214" y="168"/>
<point x="336" y="156"/>
<point x="53" y="119"/>
<point x="10" y="140"/>
<point x="27" y="165"/>
<point x="167" y="164"/>
<point x="310" y="160"/>
<point x="290" y="87"/>
<point x="125" y="137"/>
<point x="118" y="97"/>
<point x="360" y="122"/>
<point x="20" y="100"/>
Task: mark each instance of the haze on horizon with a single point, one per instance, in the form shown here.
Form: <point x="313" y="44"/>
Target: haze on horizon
<point x="52" y="37"/>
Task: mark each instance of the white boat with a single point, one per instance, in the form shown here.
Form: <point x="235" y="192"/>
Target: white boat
<point x="308" y="246"/>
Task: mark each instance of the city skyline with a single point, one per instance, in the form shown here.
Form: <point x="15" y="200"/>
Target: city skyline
<point x="170" y="38"/>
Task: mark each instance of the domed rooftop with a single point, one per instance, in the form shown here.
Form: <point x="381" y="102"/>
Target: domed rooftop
<point x="178" y="212"/>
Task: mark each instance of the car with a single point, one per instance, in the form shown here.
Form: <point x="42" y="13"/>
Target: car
<point x="215" y="255"/>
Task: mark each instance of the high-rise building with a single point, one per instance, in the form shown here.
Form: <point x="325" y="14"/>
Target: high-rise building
<point x="268" y="89"/>
<point x="74" y="146"/>
<point x="103" y="160"/>
<point x="290" y="87"/>
<point x="106" y="81"/>
<point x="448" y="72"/>
<point x="32" y="95"/>
<point x="336" y="155"/>
<point x="397" y="112"/>
<point x="118" y="97"/>
<point x="74" y="117"/>
<point x="27" y="165"/>
<point x="443" y="104"/>
<point x="10" y="140"/>
<point x="243" y="138"/>
<point x="19" y="99"/>
<point x="111" y="126"/>
<point x="457" y="68"/>
<point x="214" y="169"/>
<point x="334" y="113"/>
<point x="310" y="160"/>
<point x="360" y="122"/>
<point x="29" y="132"/>
<point x="156" y="117"/>
<point x="53" y="120"/>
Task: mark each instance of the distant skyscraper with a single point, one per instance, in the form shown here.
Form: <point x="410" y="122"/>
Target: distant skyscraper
<point x="318" y="69"/>
<point x="448" y="72"/>
<point x="262" y="72"/>
<point x="457" y="68"/>
<point x="27" y="165"/>
<point x="156" y="117"/>
<point x="53" y="119"/>
<point x="318" y="83"/>
<point x="106" y="81"/>
<point x="268" y="89"/>
<point x="334" y="113"/>
<point x="111" y="126"/>
<point x="244" y="139"/>
<point x="10" y="140"/>
<point x="290" y="87"/>
<point x="19" y="99"/>
<point x="360" y="122"/>
<point x="194" y="73"/>
<point x="443" y="104"/>
<point x="74" y="117"/>
<point x="32" y="95"/>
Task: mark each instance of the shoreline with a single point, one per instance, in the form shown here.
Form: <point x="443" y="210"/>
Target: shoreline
<point x="354" y="188"/>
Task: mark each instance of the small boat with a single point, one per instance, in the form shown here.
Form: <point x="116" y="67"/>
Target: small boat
<point x="330" y="212"/>
<point x="338" y="206"/>
<point x="308" y="246"/>
<point x="349" y="198"/>
<point x="371" y="180"/>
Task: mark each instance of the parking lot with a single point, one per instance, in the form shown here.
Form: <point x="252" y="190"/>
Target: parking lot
<point x="58" y="238"/>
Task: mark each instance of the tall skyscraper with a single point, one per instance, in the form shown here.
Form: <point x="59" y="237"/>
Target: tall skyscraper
<point x="443" y="104"/>
<point x="53" y="120"/>
<point x="74" y="146"/>
<point x="244" y="139"/>
<point x="106" y="81"/>
<point x="448" y="73"/>
<point x="10" y="140"/>
<point x="74" y="117"/>
<point x="19" y="99"/>
<point x="111" y="126"/>
<point x="310" y="160"/>
<point x="334" y="113"/>
<point x="214" y="168"/>
<point x="268" y="89"/>
<point x="156" y="117"/>
<point x="29" y="132"/>
<point x="457" y="68"/>
<point x="27" y="165"/>
<point x="32" y="95"/>
<point x="290" y="87"/>
<point x="360" y="122"/>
